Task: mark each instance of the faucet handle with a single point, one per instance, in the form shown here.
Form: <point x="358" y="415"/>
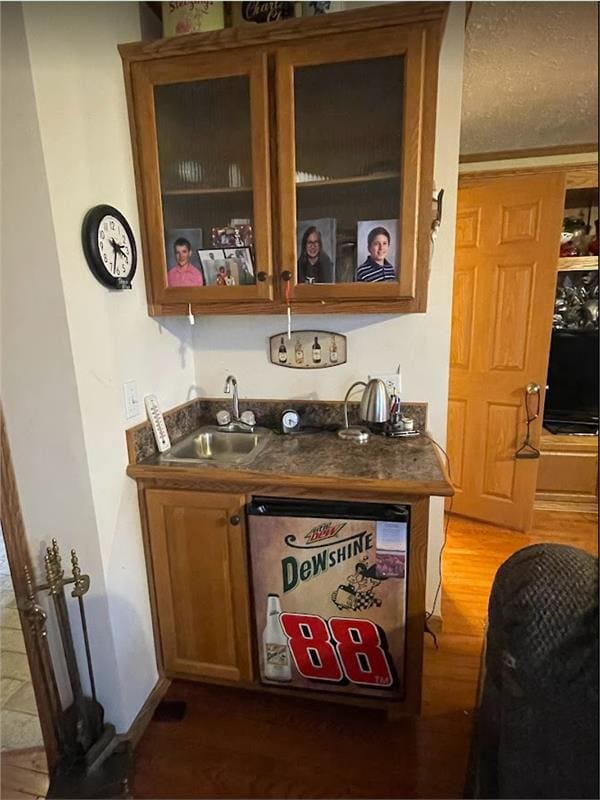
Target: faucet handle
<point x="223" y="417"/>
<point x="248" y="417"/>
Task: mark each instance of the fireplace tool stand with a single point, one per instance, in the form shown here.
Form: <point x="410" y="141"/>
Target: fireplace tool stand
<point x="93" y="761"/>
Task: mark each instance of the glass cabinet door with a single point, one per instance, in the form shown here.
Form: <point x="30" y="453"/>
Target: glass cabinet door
<point x="203" y="135"/>
<point x="349" y="165"/>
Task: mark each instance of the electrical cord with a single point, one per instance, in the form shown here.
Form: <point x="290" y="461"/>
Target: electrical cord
<point x="429" y="614"/>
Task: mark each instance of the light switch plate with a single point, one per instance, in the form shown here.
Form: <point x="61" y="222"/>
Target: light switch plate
<point x="132" y="401"/>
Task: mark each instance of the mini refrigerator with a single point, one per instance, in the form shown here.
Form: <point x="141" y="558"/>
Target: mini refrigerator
<point x="329" y="594"/>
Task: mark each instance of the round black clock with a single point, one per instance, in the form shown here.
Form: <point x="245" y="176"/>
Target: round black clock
<point x="109" y="246"/>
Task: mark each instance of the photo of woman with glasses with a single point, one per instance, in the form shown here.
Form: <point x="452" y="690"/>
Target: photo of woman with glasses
<point x="316" y="241"/>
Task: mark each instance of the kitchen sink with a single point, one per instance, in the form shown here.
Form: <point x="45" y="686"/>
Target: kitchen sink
<point x="211" y="444"/>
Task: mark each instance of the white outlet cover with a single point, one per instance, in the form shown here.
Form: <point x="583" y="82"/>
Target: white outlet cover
<point x="392" y="381"/>
<point x="132" y="401"/>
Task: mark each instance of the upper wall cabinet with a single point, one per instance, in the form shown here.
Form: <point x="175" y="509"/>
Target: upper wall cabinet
<point x="288" y="162"/>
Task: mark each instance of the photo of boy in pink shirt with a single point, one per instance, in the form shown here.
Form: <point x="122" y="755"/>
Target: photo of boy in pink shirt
<point x="183" y="272"/>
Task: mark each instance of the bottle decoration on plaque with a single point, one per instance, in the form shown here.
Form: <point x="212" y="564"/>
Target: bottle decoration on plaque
<point x="308" y="349"/>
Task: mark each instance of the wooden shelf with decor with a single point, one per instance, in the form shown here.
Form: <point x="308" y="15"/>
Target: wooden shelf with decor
<point x="568" y="467"/>
<point x="577" y="263"/>
<point x="260" y="106"/>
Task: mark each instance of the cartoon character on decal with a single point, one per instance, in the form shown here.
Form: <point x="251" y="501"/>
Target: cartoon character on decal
<point x="357" y="594"/>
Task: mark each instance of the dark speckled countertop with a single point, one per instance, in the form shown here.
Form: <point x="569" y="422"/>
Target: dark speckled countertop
<point x="319" y="460"/>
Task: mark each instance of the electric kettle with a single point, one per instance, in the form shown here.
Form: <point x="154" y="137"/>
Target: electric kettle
<point x="374" y="408"/>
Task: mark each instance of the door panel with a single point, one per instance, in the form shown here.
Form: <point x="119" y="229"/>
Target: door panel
<point x="462" y="324"/>
<point x="342" y="178"/>
<point x="199" y="563"/>
<point x="507" y="245"/>
<point x="499" y="470"/>
<point x="204" y="161"/>
<point x="513" y="292"/>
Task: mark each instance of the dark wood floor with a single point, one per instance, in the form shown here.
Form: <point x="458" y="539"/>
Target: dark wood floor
<point x="236" y="744"/>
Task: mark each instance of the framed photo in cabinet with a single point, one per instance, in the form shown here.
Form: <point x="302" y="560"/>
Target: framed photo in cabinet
<point x="240" y="265"/>
<point x="377" y="251"/>
<point x="316" y="250"/>
<point x="183" y="264"/>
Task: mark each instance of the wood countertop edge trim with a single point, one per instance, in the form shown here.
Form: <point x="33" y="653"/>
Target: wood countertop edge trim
<point x="239" y="481"/>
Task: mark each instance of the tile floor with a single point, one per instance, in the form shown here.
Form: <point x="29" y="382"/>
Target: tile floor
<point x="19" y="723"/>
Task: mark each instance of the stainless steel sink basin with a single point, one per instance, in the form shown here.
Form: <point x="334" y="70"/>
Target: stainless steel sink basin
<point x="213" y="444"/>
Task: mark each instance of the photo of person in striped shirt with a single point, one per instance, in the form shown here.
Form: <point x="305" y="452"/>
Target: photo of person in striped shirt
<point x="376" y="268"/>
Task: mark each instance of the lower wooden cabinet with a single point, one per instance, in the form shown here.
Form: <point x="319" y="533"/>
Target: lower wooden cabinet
<point x="199" y="565"/>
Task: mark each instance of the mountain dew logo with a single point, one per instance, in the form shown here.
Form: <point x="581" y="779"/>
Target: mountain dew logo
<point x="326" y="530"/>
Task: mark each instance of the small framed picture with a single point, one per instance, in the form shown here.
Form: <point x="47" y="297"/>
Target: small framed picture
<point x="240" y="266"/>
<point x="214" y="265"/>
<point x="184" y="267"/>
<point x="316" y="250"/>
<point x="239" y="235"/>
<point x="376" y="250"/>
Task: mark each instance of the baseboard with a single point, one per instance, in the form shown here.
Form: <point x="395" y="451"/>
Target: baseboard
<point x="140" y="723"/>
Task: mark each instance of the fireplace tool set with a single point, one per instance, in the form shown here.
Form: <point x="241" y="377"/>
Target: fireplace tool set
<point x="87" y="745"/>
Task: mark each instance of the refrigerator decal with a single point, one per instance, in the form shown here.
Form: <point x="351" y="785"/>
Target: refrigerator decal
<point x="329" y="602"/>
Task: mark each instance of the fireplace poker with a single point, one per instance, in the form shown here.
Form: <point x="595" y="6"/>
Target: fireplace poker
<point x="82" y="584"/>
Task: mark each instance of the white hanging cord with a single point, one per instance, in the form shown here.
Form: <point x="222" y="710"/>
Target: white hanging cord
<point x="190" y="315"/>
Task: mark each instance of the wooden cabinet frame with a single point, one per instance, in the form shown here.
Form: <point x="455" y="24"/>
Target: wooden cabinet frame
<point x="268" y="55"/>
<point x="415" y="159"/>
<point x="177" y="607"/>
<point x="185" y="487"/>
<point x="145" y="76"/>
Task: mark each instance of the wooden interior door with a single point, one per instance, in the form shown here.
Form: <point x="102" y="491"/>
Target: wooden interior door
<point x="507" y="244"/>
<point x="200" y="574"/>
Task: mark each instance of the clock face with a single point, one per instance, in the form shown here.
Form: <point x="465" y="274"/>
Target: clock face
<point x="109" y="246"/>
<point x="290" y="420"/>
<point x="114" y="245"/>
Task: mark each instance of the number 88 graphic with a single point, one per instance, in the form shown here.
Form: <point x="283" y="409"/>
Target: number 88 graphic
<point x="355" y="653"/>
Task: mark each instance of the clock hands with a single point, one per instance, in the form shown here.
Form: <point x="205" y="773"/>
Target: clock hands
<point x="118" y="251"/>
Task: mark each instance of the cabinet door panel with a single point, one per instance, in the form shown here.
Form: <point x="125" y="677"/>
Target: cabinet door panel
<point x="355" y="119"/>
<point x="199" y="564"/>
<point x="202" y="131"/>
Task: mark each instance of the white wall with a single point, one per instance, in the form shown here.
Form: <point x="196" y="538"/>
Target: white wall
<point x="419" y="342"/>
<point x="68" y="344"/>
<point x="39" y="391"/>
<point x="71" y="342"/>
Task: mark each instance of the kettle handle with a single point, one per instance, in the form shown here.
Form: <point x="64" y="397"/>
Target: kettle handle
<point x="348" y="393"/>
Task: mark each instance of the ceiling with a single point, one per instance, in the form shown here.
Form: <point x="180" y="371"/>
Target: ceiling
<point x="531" y="76"/>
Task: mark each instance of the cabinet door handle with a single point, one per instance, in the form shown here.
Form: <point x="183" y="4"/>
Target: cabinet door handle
<point x="234" y="520"/>
<point x="261" y="276"/>
<point x="286" y="275"/>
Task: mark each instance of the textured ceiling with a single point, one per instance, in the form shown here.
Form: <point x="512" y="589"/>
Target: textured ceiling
<point x="531" y="76"/>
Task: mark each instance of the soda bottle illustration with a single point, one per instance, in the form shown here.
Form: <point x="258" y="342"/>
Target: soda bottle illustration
<point x="276" y="654"/>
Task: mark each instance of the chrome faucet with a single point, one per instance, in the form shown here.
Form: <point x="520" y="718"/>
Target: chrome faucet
<point x="235" y="400"/>
<point x="235" y="422"/>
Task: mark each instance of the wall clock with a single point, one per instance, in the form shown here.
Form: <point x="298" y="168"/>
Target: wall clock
<point x="109" y="246"/>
